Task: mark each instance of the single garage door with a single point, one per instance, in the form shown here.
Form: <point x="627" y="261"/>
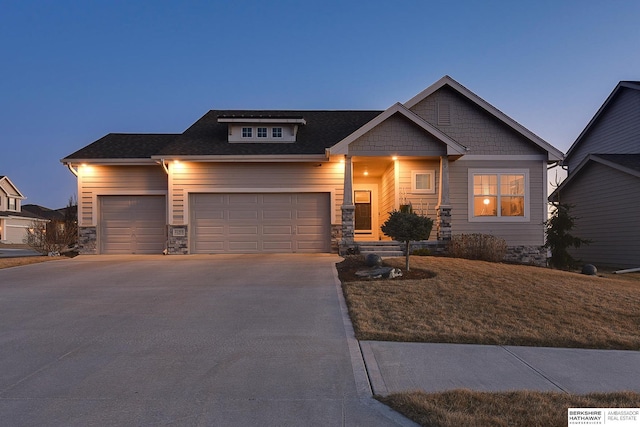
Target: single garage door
<point x="132" y="224"/>
<point x="250" y="223"/>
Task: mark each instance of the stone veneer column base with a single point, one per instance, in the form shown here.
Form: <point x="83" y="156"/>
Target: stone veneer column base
<point x="87" y="240"/>
<point x="347" y="242"/>
<point x="178" y="241"/>
<point x="443" y="222"/>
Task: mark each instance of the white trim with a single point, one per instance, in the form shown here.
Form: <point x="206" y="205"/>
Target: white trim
<point x="375" y="227"/>
<point x="18" y="194"/>
<point x="132" y="162"/>
<point x="432" y="181"/>
<point x="232" y="190"/>
<point x="252" y="120"/>
<point x="509" y="157"/>
<point x="248" y="159"/>
<point x="497" y="171"/>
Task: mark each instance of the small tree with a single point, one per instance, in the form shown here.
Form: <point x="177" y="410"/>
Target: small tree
<point x="559" y="238"/>
<point x="55" y="235"/>
<point x="406" y="226"/>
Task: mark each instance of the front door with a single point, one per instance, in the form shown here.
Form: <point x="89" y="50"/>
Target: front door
<point x="365" y="199"/>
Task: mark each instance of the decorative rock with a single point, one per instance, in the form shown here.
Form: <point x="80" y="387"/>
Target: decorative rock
<point x="589" y="270"/>
<point x="373" y="260"/>
<point x="380" y="273"/>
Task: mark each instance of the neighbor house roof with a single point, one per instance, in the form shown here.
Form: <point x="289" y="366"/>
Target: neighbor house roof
<point x="17" y="193"/>
<point x="630" y="84"/>
<point x="627" y="163"/>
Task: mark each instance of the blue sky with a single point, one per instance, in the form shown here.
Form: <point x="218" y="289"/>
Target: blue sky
<point x="73" y="71"/>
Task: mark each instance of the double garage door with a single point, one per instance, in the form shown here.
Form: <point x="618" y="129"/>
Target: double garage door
<point x="251" y="223"/>
<point x="132" y="224"/>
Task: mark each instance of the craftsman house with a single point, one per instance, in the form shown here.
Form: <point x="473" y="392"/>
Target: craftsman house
<point x="314" y="181"/>
<point x="603" y="182"/>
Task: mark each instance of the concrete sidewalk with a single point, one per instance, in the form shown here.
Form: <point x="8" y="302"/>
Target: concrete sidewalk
<point x="395" y="367"/>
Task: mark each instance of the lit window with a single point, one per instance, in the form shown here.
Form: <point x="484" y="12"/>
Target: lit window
<point x="423" y="182"/>
<point x="276" y="132"/>
<point x="262" y="132"/>
<point x="247" y="132"/>
<point x="12" y="204"/>
<point x="499" y="195"/>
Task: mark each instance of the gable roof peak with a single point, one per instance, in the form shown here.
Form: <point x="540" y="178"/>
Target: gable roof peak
<point x="553" y="153"/>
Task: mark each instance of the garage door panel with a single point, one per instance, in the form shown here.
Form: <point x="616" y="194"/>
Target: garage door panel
<point x="250" y="230"/>
<point x="277" y="214"/>
<point x="243" y="199"/>
<point x="243" y="214"/>
<point x="278" y="230"/>
<point x="132" y="224"/>
<point x="277" y="246"/>
<point x="269" y="222"/>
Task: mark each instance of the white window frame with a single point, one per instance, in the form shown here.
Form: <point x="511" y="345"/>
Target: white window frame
<point x="262" y="132"/>
<point x="12" y="204"/>
<point x="247" y="132"/>
<point x="432" y="182"/>
<point x="277" y="130"/>
<point x="498" y="217"/>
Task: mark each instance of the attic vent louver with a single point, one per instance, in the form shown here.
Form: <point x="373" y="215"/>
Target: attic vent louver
<point x="444" y="113"/>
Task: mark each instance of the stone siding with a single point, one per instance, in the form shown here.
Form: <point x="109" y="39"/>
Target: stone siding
<point x="178" y="240"/>
<point x="87" y="240"/>
<point x="529" y="255"/>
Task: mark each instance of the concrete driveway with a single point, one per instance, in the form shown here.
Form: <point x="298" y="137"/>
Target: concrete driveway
<point x="185" y="341"/>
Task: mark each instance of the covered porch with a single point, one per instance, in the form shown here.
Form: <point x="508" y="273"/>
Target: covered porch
<point x="376" y="185"/>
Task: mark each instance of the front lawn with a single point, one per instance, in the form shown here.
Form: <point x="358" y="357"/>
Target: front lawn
<point x="513" y="408"/>
<point x="459" y="301"/>
<point x="478" y="302"/>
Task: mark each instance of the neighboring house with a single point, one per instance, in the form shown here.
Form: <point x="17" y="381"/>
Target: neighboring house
<point x="13" y="222"/>
<point x="603" y="181"/>
<point x="315" y="181"/>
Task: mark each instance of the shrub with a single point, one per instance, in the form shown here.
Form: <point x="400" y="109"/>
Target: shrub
<point x="559" y="237"/>
<point x="421" y="252"/>
<point x="405" y="227"/>
<point x="483" y="247"/>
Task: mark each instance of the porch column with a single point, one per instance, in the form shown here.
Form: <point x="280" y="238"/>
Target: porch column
<point x="443" y="218"/>
<point x="348" y="209"/>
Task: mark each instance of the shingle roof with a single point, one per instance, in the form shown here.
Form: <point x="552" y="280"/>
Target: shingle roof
<point x="208" y="137"/>
<point x="629" y="161"/>
<point x="323" y="129"/>
<point x="5" y="214"/>
<point x="124" y="146"/>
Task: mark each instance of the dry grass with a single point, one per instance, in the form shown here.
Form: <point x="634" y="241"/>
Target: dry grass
<point x="15" y="262"/>
<point x="487" y="303"/>
<point x="517" y="408"/>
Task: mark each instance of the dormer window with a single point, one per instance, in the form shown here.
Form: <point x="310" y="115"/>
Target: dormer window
<point x="260" y="129"/>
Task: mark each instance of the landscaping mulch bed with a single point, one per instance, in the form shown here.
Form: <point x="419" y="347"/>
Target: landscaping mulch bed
<point x="348" y="268"/>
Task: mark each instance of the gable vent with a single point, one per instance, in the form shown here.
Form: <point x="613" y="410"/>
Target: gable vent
<point x="444" y="113"/>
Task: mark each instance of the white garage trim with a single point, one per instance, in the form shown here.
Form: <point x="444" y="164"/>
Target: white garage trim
<point x="188" y="191"/>
<point x="239" y="222"/>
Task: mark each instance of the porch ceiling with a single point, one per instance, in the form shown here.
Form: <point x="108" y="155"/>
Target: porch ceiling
<point x="374" y="166"/>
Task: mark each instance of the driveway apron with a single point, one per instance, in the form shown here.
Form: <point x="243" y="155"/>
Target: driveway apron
<point x="194" y="341"/>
